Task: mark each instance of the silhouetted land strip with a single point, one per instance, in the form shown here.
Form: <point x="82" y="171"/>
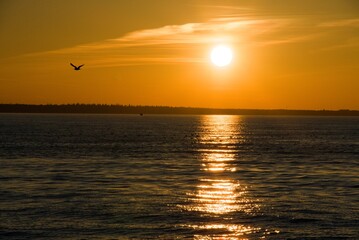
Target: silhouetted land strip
<point x="129" y="109"/>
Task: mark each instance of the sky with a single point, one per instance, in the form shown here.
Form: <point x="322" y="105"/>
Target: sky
<point x="286" y="54"/>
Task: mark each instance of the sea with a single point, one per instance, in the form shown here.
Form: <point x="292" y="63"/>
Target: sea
<point x="79" y="176"/>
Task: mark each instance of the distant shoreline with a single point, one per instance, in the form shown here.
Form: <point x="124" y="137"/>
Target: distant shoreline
<point x="130" y="109"/>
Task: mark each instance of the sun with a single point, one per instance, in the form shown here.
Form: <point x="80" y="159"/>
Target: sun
<point x="221" y="55"/>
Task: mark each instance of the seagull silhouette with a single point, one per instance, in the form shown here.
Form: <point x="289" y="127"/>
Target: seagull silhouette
<point x="77" y="68"/>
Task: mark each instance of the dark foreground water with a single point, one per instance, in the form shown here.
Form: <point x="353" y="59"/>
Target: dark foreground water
<point x="178" y="177"/>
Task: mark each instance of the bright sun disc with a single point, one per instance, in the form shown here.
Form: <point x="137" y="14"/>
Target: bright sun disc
<point x="221" y="56"/>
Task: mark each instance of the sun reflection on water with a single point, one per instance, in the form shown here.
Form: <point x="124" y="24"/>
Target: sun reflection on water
<point x="219" y="194"/>
<point x="218" y="197"/>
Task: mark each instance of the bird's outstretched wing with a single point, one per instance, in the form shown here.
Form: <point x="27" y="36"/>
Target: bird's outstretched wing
<point x="81" y="65"/>
<point x="72" y="65"/>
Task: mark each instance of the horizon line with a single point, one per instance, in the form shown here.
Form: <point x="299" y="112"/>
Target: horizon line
<point x="179" y="107"/>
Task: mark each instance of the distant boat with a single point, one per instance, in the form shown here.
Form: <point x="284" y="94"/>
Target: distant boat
<point x="76" y="68"/>
<point x="141" y="114"/>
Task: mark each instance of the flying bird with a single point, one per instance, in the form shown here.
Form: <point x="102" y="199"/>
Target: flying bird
<point x="77" y="67"/>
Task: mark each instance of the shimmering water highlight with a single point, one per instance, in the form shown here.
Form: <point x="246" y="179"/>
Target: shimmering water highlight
<point x="178" y="177"/>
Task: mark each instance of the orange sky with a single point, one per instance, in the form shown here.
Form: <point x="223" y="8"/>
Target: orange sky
<point x="287" y="54"/>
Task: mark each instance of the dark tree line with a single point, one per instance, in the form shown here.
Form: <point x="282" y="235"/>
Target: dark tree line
<point x="132" y="109"/>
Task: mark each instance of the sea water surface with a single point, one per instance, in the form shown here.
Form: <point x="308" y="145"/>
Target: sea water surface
<point x="178" y="177"/>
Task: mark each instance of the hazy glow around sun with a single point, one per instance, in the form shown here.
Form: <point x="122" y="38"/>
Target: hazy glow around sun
<point x="221" y="55"/>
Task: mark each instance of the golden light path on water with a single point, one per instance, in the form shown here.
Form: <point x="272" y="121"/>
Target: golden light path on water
<point x="219" y="195"/>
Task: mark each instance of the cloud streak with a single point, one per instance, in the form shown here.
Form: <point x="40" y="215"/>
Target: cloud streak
<point x="353" y="22"/>
<point x="189" y="33"/>
<point x="348" y="39"/>
<point x="183" y="43"/>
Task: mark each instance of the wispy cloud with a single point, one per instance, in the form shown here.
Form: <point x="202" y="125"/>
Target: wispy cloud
<point x="218" y="29"/>
<point x="348" y="39"/>
<point x="353" y="22"/>
<point x="350" y="43"/>
<point x="180" y="43"/>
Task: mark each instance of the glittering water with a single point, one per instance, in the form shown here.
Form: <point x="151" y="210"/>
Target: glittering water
<point x="178" y="177"/>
